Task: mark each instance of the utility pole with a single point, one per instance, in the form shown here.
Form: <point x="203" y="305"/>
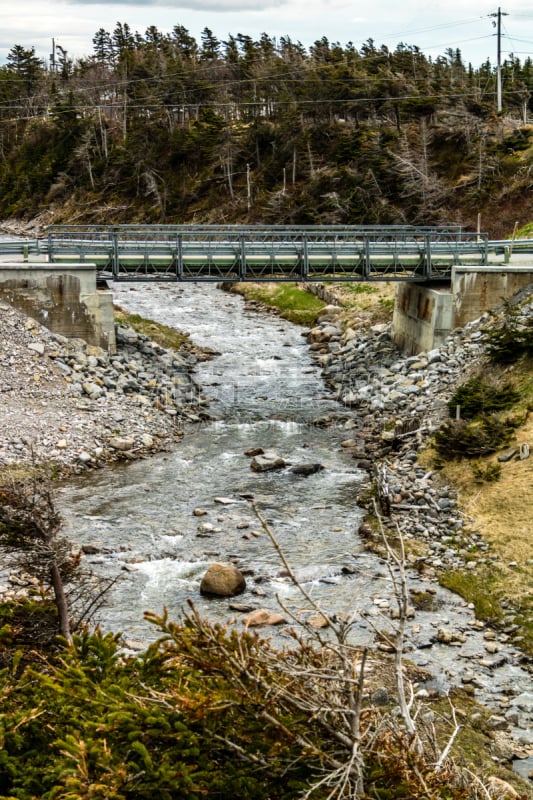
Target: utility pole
<point x="499" y="14"/>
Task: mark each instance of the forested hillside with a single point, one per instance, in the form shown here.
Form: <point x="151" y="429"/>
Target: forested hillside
<point x="162" y="128"/>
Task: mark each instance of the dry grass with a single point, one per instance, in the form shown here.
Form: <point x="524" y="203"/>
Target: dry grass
<point x="365" y="303"/>
<point x="502" y="511"/>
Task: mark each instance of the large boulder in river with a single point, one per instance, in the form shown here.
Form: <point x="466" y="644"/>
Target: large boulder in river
<point x="222" y="580"/>
<point x="267" y="461"/>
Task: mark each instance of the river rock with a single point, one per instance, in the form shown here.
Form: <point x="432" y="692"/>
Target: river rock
<point x="306" y="469"/>
<point x="267" y="462"/>
<point x="263" y="617"/>
<point x="447" y="636"/>
<point x="226" y="501"/>
<point x="254" y="451"/>
<point x="121" y="442"/>
<point x="497" y="723"/>
<point x="380" y="697"/>
<point x="242" y="608"/>
<point x="223" y="580"/>
<point x="318" y="621"/>
<point x="208" y="527"/>
<point x="37" y="347"/>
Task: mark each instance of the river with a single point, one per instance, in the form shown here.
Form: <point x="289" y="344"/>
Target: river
<point x="265" y="391"/>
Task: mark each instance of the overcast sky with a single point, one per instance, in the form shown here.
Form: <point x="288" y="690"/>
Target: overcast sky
<point x="433" y="26"/>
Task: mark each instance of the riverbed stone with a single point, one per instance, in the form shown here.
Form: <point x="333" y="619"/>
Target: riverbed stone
<point x="267" y="462"/>
<point x="121" y="442"/>
<point x="306" y="469"/>
<point x="222" y="580"/>
<point x="226" y="501"/>
<point x="262" y="617"/>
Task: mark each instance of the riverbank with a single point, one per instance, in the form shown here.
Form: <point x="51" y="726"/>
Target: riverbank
<point x="74" y="406"/>
<point x="400" y="403"/>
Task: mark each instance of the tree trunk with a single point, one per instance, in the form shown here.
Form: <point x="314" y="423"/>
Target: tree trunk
<point x="61" y="602"/>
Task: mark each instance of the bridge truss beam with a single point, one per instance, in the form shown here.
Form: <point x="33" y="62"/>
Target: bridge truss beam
<point x="268" y="253"/>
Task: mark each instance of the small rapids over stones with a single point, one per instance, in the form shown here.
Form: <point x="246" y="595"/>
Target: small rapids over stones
<point x="159" y="524"/>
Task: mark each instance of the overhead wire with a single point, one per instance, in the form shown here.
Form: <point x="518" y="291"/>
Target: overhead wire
<point x="132" y="106"/>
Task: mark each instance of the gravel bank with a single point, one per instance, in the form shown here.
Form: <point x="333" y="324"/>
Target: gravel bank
<point x="398" y="403"/>
<point x="67" y="402"/>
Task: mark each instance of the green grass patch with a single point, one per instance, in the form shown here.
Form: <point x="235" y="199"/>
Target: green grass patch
<point x="387" y="303"/>
<point x="477" y="589"/>
<point x="524" y="619"/>
<point x="161" y="334"/>
<point x="290" y="301"/>
<point x="526" y="232"/>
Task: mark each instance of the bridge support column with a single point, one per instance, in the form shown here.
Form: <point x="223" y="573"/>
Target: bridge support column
<point x="63" y="298"/>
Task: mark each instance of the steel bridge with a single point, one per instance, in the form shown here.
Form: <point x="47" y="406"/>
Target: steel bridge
<point x="231" y="253"/>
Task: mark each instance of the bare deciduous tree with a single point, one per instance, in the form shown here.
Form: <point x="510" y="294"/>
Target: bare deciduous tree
<point x="30" y="523"/>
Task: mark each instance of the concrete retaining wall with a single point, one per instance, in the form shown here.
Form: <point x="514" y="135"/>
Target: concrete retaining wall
<point x="63" y="298"/>
<point x="479" y="289"/>
<point x="425" y="315"/>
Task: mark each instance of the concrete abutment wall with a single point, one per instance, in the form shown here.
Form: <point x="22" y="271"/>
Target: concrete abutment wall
<point x="424" y="315"/>
<point x="64" y="298"/>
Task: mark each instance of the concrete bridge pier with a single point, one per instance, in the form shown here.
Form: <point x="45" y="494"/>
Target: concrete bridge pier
<point x="424" y="314"/>
<point x="63" y="298"/>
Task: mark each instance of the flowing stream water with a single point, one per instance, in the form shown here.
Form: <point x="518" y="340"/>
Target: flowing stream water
<point x="267" y="392"/>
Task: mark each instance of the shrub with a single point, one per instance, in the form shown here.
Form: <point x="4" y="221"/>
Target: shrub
<point x="460" y="439"/>
<point x="488" y="474"/>
<point x="511" y="339"/>
<point x="476" y="396"/>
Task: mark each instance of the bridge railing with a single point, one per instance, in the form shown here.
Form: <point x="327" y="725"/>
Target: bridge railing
<point x="162" y="232"/>
<point x="23" y="247"/>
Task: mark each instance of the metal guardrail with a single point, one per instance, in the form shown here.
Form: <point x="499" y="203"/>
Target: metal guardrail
<point x="267" y="253"/>
<point x="23" y="247"/>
